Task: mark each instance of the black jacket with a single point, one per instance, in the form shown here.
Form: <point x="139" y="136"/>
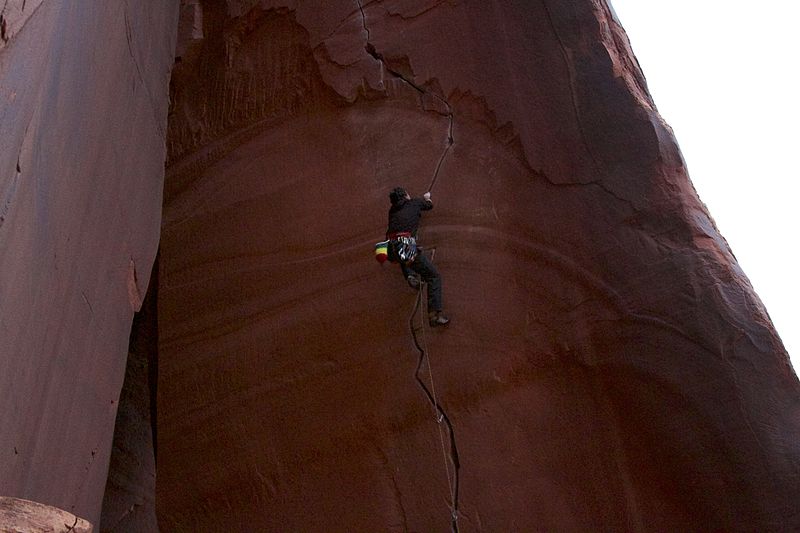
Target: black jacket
<point x="405" y="215"/>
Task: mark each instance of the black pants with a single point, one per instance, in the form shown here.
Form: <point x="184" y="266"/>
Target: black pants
<point x="423" y="266"/>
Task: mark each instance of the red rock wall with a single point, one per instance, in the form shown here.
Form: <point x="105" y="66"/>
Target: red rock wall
<point x="83" y="104"/>
<point x="608" y="366"/>
<point x="129" y="504"/>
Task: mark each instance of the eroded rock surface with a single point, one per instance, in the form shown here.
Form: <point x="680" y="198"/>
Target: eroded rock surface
<point x="24" y="516"/>
<point x="13" y="16"/>
<point x="608" y="366"/>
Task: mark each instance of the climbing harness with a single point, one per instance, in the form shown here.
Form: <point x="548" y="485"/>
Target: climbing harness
<point x="405" y="249"/>
<point x="402" y="247"/>
<point x="398" y="248"/>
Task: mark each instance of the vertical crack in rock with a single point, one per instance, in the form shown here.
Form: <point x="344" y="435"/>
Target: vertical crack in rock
<point x="11" y="192"/>
<point x="441" y="414"/>
<point x="576" y="110"/>
<point x="5" y="205"/>
<point x="571" y="74"/>
<point x="450" y="141"/>
<point x="372" y="51"/>
<point x="85" y="299"/>
<point x="129" y="37"/>
<point x="363" y="20"/>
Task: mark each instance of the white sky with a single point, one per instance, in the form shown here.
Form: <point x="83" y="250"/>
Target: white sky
<point x="724" y="75"/>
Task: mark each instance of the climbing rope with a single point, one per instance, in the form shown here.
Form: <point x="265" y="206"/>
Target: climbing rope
<point x="450" y="140"/>
<point x="426" y="352"/>
<point x="439" y="415"/>
<point x="439" y="418"/>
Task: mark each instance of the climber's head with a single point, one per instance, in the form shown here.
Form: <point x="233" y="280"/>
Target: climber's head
<point x="397" y="195"/>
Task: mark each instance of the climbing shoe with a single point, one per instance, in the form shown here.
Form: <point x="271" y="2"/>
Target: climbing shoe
<point x="413" y="281"/>
<point x="437" y="318"/>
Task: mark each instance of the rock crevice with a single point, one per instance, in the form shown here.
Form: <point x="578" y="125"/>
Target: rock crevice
<point x="440" y="413"/>
<point x="371" y="50"/>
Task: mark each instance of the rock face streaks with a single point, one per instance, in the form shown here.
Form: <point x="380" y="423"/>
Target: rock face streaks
<point x="83" y="106"/>
<point x="13" y="16"/>
<point x="608" y="363"/>
<point x="608" y="366"/>
<point x="129" y="500"/>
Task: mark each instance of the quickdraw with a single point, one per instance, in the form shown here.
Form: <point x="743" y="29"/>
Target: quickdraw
<point x="405" y="249"/>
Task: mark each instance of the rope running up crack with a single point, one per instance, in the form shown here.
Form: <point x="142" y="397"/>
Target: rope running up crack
<point x="439" y="414"/>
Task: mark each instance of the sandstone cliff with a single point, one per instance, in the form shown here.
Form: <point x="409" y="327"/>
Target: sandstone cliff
<point x="83" y="103"/>
<point x="608" y="366"/>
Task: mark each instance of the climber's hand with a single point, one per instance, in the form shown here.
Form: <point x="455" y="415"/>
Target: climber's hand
<point x="427" y="196"/>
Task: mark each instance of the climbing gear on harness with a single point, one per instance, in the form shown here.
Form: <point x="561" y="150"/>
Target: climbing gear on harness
<point x="381" y="251"/>
<point x="402" y="247"/>
<point x="413" y="281"/>
<point x="406" y="249"/>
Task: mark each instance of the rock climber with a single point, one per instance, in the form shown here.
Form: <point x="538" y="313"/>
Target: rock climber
<point x="404" y="215"/>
